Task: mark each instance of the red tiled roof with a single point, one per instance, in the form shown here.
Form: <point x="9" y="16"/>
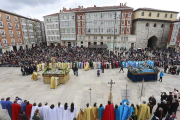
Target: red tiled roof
<point x="152" y="9"/>
<point x="55" y="14"/>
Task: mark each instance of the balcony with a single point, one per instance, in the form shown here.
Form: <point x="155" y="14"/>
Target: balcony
<point x="17" y="28"/>
<point x="13" y="43"/>
<point x="20" y="43"/>
<point x="10" y="27"/>
<point x="2" y="26"/>
<point x="9" y="20"/>
<point x="11" y="35"/>
<point x="5" y="44"/>
<point x="3" y="36"/>
<point x="19" y="36"/>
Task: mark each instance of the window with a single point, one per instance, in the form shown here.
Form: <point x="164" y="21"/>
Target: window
<point x="67" y="17"/>
<point x="122" y="30"/>
<point x="10" y="32"/>
<point x="15" y="19"/>
<point x="147" y="24"/>
<point x="7" y="17"/>
<point x="95" y="30"/>
<point x="129" y="22"/>
<point x="129" y="14"/>
<point x="109" y="37"/>
<point x="17" y="25"/>
<point x="18" y="33"/>
<point x="95" y="43"/>
<point x="115" y="30"/>
<point x="2" y="32"/>
<point x="123" y="22"/>
<point x="155" y="25"/>
<point x="83" y="17"/>
<point x="162" y="25"/>
<point x="101" y="43"/>
<point x="123" y="15"/>
<point x="83" y="23"/>
<point x="12" y="41"/>
<point x="171" y="15"/>
<point x="127" y="30"/>
<point x="165" y="15"/>
<point x="78" y="23"/>
<point x="102" y="30"/>
<point x="79" y="30"/>
<point x="95" y="37"/>
<point x="115" y="37"/>
<point x="101" y="37"/>
<point x="73" y="17"/>
<point x="88" y="37"/>
<point x="1" y="23"/>
<point x="9" y="25"/>
<point x="158" y="15"/>
<point x="78" y="17"/>
<point x="4" y="41"/>
<point x="20" y="41"/>
<point x="142" y="14"/>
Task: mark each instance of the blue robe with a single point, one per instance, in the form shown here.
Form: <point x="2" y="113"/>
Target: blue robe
<point x="123" y="101"/>
<point x="131" y="111"/>
<point x="100" y="112"/>
<point x="81" y="65"/>
<point x="125" y="112"/>
<point x="3" y="104"/>
<point x="121" y="107"/>
<point x="8" y="105"/>
<point x="99" y="65"/>
<point x="23" y="107"/>
<point x="116" y="111"/>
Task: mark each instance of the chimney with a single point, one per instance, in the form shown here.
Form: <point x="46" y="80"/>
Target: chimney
<point x="69" y="8"/>
<point x="120" y="4"/>
<point x="79" y="6"/>
<point x="60" y="10"/>
<point x="94" y="5"/>
<point x="82" y="6"/>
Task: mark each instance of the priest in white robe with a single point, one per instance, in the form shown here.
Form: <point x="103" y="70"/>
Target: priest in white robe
<point x="34" y="107"/>
<point x="45" y="111"/>
<point x="72" y="112"/>
<point x="66" y="112"/>
<point x="40" y="110"/>
<point x="52" y="113"/>
<point x="59" y="110"/>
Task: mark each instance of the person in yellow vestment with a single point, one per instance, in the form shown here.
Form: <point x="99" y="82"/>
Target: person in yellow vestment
<point x="94" y="112"/>
<point x="148" y="111"/>
<point x="143" y="111"/>
<point x="87" y="112"/>
<point x="81" y="115"/>
<point x="37" y="68"/>
<point x="53" y="83"/>
<point x="87" y="67"/>
<point x="35" y="75"/>
<point x="136" y="109"/>
<point x="40" y="67"/>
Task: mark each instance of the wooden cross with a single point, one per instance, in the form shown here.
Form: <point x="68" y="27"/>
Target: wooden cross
<point x="90" y="95"/>
<point x="111" y="83"/>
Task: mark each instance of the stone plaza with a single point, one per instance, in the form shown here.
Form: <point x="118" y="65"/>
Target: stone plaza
<point x="76" y="90"/>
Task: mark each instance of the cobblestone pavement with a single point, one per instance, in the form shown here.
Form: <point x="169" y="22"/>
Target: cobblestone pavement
<point x="13" y="84"/>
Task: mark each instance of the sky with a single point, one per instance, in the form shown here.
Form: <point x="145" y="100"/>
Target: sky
<point x="39" y="8"/>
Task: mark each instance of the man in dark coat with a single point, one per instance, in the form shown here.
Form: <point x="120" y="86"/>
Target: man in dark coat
<point x="152" y="102"/>
<point x="173" y="107"/>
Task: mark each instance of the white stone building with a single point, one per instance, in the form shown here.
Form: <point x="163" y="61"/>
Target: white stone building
<point x="51" y="23"/>
<point x="67" y="22"/>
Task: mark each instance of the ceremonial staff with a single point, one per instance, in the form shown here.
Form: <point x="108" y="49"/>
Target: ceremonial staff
<point x="111" y="83"/>
<point x="90" y="95"/>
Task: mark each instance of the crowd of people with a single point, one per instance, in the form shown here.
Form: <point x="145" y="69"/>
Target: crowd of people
<point x="24" y="110"/>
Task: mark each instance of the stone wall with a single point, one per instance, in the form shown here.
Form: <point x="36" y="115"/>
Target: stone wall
<point x="144" y="32"/>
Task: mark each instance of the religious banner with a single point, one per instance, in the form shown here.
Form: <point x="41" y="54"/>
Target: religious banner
<point x="125" y="94"/>
<point x="141" y="90"/>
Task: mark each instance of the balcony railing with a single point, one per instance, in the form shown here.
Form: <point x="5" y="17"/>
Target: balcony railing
<point x="5" y="44"/>
<point x="10" y="27"/>
<point x="19" y="36"/>
<point x="3" y="36"/>
<point x="11" y="35"/>
<point x="8" y="20"/>
<point x="17" y="28"/>
<point x="13" y="43"/>
<point x="2" y="26"/>
<point x="20" y="43"/>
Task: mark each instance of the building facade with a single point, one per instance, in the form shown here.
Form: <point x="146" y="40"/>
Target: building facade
<point x="18" y="32"/>
<point x="52" y="29"/>
<point x="174" y="35"/>
<point x="67" y="21"/>
<point x="151" y="26"/>
<point x="10" y="32"/>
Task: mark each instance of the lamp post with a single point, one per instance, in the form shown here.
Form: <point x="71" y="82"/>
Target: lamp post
<point x="114" y="29"/>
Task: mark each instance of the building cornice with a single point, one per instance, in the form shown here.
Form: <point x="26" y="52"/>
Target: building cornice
<point x="156" y="20"/>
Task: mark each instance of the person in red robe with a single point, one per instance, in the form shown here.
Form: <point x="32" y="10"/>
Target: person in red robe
<point x="117" y="65"/>
<point x="28" y="109"/>
<point x="109" y="112"/>
<point x="16" y="109"/>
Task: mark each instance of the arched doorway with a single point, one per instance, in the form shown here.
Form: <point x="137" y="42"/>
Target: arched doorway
<point x="152" y="42"/>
